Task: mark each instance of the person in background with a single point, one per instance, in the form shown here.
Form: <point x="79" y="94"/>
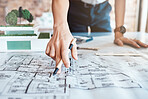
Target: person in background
<point x="76" y="16"/>
<point x="93" y="13"/>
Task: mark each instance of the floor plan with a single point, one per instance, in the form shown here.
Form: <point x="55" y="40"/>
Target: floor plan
<point x="30" y="74"/>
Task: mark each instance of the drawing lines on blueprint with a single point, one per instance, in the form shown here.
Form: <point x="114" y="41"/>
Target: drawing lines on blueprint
<point x="108" y="71"/>
<point x="29" y="74"/>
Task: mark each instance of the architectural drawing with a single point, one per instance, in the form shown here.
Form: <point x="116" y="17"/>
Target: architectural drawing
<point x="104" y="71"/>
<point x="30" y="75"/>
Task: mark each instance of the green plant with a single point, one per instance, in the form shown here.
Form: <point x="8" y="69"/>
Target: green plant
<point x="11" y="18"/>
<point x="25" y="14"/>
<point x="30" y="18"/>
<point x="16" y="12"/>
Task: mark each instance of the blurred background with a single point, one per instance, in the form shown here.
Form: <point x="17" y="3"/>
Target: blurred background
<point x="136" y="17"/>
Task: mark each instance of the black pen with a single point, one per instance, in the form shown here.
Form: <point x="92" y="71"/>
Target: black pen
<point x="61" y="62"/>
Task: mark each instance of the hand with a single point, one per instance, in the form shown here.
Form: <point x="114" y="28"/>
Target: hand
<point x="57" y="47"/>
<point x="120" y="40"/>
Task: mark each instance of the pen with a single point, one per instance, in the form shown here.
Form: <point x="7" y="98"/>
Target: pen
<point x="61" y="62"/>
<point x="88" y="48"/>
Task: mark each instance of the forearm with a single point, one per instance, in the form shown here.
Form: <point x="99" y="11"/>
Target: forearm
<point x="119" y="12"/>
<point x="119" y="17"/>
<point x="60" y="10"/>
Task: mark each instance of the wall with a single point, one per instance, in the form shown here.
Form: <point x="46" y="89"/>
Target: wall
<point x="130" y="15"/>
<point x="37" y="7"/>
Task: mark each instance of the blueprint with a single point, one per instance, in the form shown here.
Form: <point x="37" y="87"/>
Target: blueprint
<point x="29" y="75"/>
<point x="109" y="71"/>
<point x="112" y="72"/>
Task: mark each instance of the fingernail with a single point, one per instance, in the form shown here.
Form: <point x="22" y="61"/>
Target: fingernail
<point x="67" y="66"/>
<point x="138" y="46"/>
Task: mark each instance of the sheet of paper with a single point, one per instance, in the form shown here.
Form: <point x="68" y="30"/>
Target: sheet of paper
<point x="30" y="75"/>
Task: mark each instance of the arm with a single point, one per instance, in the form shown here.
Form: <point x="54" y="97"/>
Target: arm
<point x="119" y="18"/>
<point x="60" y="10"/>
<point x="119" y="12"/>
<point x="57" y="48"/>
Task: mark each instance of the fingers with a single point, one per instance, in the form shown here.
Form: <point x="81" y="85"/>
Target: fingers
<point x="52" y="52"/>
<point x="57" y="54"/>
<point x="58" y="63"/>
<point x="47" y="49"/>
<point x="130" y="42"/>
<point x="133" y="42"/>
<point x="118" y="42"/>
<point x="65" y="57"/>
<point x="74" y="51"/>
<point x="141" y="43"/>
<point x="58" y="49"/>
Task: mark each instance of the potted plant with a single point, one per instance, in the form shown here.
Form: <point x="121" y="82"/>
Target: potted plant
<point x="12" y="28"/>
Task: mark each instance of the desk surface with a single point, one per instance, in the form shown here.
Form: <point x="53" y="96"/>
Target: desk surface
<point x="119" y="73"/>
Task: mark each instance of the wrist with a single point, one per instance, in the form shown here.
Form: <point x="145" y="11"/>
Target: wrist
<point x="118" y="35"/>
<point x="57" y="24"/>
<point x="120" y="29"/>
<point x="62" y="27"/>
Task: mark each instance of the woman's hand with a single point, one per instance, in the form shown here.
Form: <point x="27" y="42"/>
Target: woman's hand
<point x="57" y="47"/>
<point x="121" y="40"/>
